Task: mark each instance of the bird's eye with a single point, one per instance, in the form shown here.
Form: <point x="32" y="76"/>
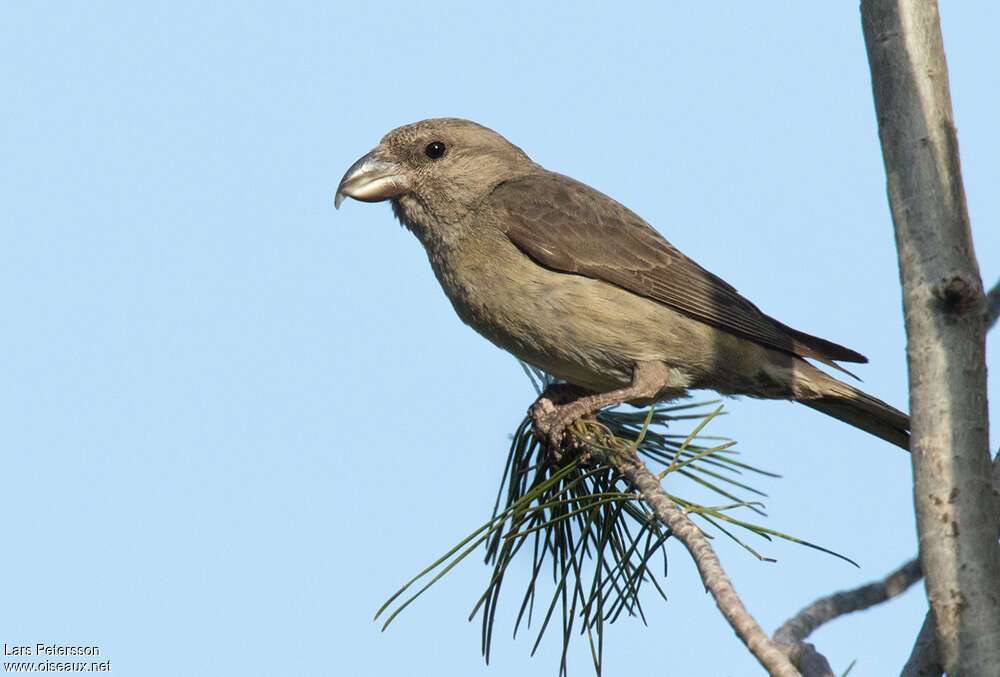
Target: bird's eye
<point x="435" y="150"/>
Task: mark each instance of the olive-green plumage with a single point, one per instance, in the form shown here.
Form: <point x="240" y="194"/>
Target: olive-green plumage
<point x="572" y="282"/>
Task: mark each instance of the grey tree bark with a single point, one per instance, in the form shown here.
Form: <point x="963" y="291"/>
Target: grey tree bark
<point x="945" y="311"/>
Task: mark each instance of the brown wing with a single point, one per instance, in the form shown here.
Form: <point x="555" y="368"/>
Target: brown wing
<point x="568" y="226"/>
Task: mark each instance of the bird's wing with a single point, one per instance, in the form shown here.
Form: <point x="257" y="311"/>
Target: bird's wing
<point x="568" y="226"/>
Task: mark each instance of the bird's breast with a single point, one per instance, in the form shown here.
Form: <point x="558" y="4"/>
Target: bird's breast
<point x="567" y="325"/>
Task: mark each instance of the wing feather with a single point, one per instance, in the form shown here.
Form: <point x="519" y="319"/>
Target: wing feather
<point x="565" y="225"/>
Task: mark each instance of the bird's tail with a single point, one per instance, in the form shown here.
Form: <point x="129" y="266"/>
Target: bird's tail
<point x="861" y="410"/>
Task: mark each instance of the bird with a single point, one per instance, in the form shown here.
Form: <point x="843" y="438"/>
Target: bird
<point x="574" y="283"/>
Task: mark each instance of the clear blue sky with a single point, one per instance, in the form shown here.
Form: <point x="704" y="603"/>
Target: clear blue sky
<point x="222" y="402"/>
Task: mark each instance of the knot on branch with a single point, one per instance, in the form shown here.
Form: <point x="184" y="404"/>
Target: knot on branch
<point x="958" y="295"/>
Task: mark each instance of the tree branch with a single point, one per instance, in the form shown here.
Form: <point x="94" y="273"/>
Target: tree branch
<point x="925" y="659"/>
<point x="944" y="307"/>
<point x="791" y="636"/>
<point x="687" y="532"/>
<point x="993" y="305"/>
<point x="805" y="622"/>
<point x="709" y="567"/>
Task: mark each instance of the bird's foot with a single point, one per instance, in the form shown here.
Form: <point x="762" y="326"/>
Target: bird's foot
<point x="548" y="426"/>
<point x="553" y="412"/>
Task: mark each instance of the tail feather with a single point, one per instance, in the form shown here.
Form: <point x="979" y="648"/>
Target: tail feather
<point x="868" y="413"/>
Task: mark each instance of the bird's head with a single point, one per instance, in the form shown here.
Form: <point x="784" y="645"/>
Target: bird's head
<point x="441" y="167"/>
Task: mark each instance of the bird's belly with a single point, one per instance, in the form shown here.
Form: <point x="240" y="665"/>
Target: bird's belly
<point x="585" y="331"/>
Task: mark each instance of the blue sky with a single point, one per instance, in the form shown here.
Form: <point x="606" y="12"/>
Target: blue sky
<point x="234" y="420"/>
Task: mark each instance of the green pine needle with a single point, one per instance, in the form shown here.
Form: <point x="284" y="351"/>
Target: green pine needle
<point x="592" y="535"/>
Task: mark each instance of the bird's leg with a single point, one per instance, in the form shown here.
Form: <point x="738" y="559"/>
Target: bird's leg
<point x="552" y="414"/>
<point x="560" y="394"/>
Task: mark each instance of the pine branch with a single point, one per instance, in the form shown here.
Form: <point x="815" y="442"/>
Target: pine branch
<point x="709" y="567"/>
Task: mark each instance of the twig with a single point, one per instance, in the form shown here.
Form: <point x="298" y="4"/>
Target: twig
<point x="790" y="636"/>
<point x="925" y="659"/>
<point x="709" y="567"/>
<point x="993" y="305"/>
<point x="712" y="574"/>
<point x="826" y="609"/>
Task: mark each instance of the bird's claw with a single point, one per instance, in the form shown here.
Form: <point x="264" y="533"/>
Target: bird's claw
<point x="549" y="425"/>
